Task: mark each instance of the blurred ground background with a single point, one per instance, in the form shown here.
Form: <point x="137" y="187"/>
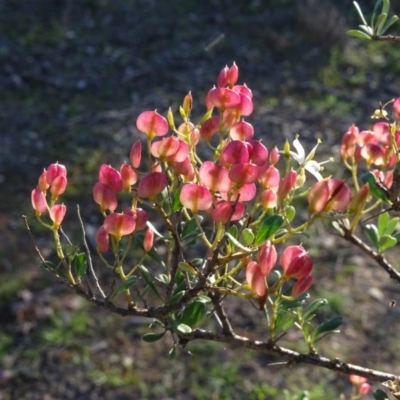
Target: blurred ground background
<point x="74" y="75"/>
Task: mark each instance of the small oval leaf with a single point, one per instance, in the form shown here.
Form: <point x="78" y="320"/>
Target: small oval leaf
<point x="152" y="337"/>
<point x="327" y="326"/>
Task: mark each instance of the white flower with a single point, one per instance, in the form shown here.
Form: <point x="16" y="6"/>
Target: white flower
<point x="307" y="162"/>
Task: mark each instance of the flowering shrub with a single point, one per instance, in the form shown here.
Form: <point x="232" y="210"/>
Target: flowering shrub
<point x="211" y="186"/>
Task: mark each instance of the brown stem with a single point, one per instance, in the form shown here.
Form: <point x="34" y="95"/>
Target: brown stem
<point x="386" y="38"/>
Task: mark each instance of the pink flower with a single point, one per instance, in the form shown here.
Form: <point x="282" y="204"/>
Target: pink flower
<point x="244" y="173"/>
<point x="119" y="225"/>
<point x="195" y="197"/>
<point x="209" y="128"/>
<point x="152" y="124"/>
<point x="241" y="131"/>
<point x="38" y="201"/>
<point x="102" y="240"/>
<point x="364" y="388"/>
<point x="57" y="214"/>
<point x="148" y="240"/>
<point x="152" y="184"/>
<point x="274" y="156"/>
<point x="129" y="176"/>
<point x="258" y="153"/>
<point x="235" y="152"/>
<point x="105" y="197"/>
<point x="164" y="148"/>
<point x="58" y="186"/>
<point x="136" y="154"/>
<point x="111" y="177"/>
<point x="223" y="98"/>
<point x="396" y="108"/>
<point x="226" y="211"/>
<point x="214" y="177"/>
<point x="269" y="177"/>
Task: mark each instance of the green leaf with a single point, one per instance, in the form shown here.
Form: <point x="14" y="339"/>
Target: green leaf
<point x="314" y="306"/>
<point x="297" y="302"/>
<point x="237" y="243"/>
<point x="190" y="228"/>
<point x="176" y="201"/>
<point x="80" y="265"/>
<point x="138" y="244"/>
<point x="149" y="280"/>
<point x="185" y="267"/>
<point x="358" y="34"/>
<point x="233" y="230"/>
<point x="193" y="313"/>
<point x="375" y="11"/>
<point x="380" y="23"/>
<point x="366" y="29"/>
<point x="383" y="220"/>
<point x="385" y="6"/>
<point x="373" y="235"/>
<point x="392" y="20"/>
<point x="198" y="262"/>
<point x="397" y="236"/>
<point x="386" y="242"/>
<point x="125" y="285"/>
<point x="374" y="187"/>
<point x="49" y="266"/>
<point x="268" y="227"/>
<point x="284" y="320"/>
<point x="172" y="323"/>
<point x="177" y="296"/>
<point x="290" y="213"/>
<point x="380" y="395"/>
<point x="327" y="326"/>
<point x="391" y="226"/>
<point x="153" y="337"/>
<point x="203" y="298"/>
<point x="163" y="278"/>
<point x="247" y="237"/>
<point x="183" y="328"/>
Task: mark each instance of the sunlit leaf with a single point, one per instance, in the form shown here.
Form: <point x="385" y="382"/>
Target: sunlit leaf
<point x="386" y="242"/>
<point x="149" y="280"/>
<point x="183" y="328"/>
<point x="314" y="306"/>
<point x="380" y="395"/>
<point x="193" y="313"/>
<point x="327" y="326"/>
<point x="383" y="221"/>
<point x="358" y="34"/>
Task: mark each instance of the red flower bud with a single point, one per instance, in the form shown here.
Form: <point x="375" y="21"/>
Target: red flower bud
<point x="119" y="224"/>
<point x="287" y="184"/>
<point x="223" y="98"/>
<point x="148" y="240"/>
<point x="104" y="196"/>
<point x="274" y="156"/>
<point x="235" y="152"/>
<point x="42" y="183"/>
<point x="302" y="285"/>
<point x="222" y="79"/>
<point x="38" y="201"/>
<point x="256" y="279"/>
<point x="111" y="177"/>
<point x="296" y="262"/>
<point x="258" y="153"/>
<point x="246" y="192"/>
<point x="57" y="214"/>
<point x="209" y="128"/>
<point x="331" y="194"/>
<point x="152" y="184"/>
<point x="136" y="154"/>
<point x="152" y="124"/>
<point x="267" y="257"/>
<point x="187" y="103"/>
<point x="165" y="148"/>
<point x="102" y="240"/>
<point x="128" y="176"/>
<point x="396" y="108"/>
<point x="233" y="75"/>
<point x="58" y="186"/>
<point x="223" y="211"/>
<point x="269" y="177"/>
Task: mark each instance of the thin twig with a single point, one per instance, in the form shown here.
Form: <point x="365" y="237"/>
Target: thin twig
<point x="379" y="258"/>
<point x="33" y="239"/>
<point x="88" y="257"/>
